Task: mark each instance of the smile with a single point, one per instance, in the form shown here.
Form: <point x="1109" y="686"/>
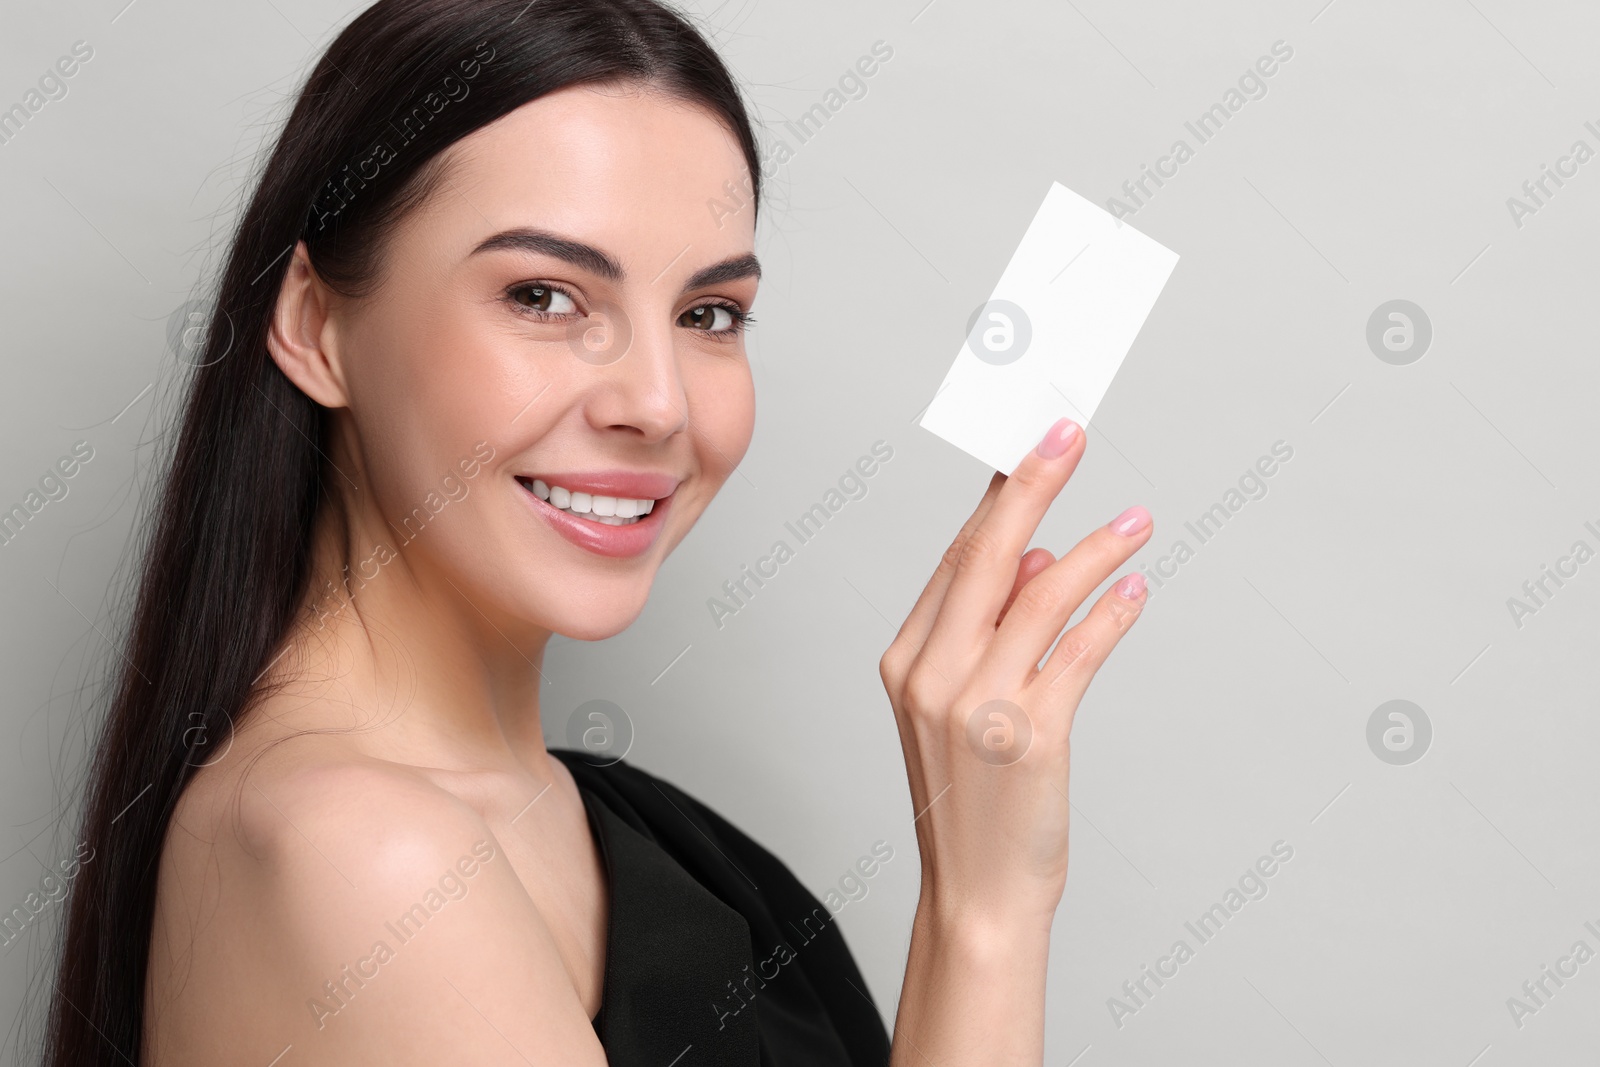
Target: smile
<point x="619" y="514"/>
<point x="610" y="510"/>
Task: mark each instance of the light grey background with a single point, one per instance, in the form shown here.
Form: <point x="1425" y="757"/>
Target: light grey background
<point x="1419" y="498"/>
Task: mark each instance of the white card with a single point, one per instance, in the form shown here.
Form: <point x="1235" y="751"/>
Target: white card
<point x="1053" y="334"/>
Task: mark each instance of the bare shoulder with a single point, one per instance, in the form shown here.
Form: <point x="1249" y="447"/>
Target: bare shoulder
<point x="348" y="907"/>
<point x="276" y="798"/>
<point x="314" y="789"/>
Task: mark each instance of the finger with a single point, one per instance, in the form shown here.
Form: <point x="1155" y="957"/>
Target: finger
<point x="1084" y="647"/>
<point x="914" y="631"/>
<point x="1033" y="564"/>
<point x="1048" y="602"/>
<point x="986" y="569"/>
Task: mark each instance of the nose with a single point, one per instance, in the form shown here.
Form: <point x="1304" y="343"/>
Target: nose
<point x="642" y="390"/>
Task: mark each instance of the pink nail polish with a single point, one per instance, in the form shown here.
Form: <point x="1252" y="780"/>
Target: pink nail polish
<point x="1130" y="522"/>
<point x="1131" y="587"/>
<point x="1060" y="437"/>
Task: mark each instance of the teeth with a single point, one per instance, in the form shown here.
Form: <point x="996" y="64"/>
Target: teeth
<point x="609" y="510"/>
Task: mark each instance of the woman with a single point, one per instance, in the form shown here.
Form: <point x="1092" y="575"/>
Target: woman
<point x="484" y="368"/>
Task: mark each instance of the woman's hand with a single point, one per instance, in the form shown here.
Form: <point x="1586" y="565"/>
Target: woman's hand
<point x="985" y="732"/>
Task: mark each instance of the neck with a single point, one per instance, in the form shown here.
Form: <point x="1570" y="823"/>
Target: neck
<point x="428" y="673"/>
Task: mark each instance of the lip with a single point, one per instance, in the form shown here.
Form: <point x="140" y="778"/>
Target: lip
<point x="615" y="542"/>
<point x="637" y="485"/>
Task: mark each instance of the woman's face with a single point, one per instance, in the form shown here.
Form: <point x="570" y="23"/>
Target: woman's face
<point x="549" y="383"/>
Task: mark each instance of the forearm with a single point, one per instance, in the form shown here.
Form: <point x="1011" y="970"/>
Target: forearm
<point x="973" y="992"/>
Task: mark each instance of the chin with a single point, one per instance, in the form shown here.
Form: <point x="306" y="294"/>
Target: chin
<point x="590" y="573"/>
<point x="594" y="622"/>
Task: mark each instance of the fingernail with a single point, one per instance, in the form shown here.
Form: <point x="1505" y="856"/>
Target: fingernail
<point x="1130" y="522"/>
<point x="1060" y="436"/>
<point x="1131" y="587"/>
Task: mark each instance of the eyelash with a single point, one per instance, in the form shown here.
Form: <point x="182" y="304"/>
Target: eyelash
<point x="742" y="319"/>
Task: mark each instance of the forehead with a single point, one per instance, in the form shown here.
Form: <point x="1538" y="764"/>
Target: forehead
<point x="630" y="170"/>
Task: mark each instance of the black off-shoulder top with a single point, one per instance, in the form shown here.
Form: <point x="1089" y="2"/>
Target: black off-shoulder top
<point x="716" y="955"/>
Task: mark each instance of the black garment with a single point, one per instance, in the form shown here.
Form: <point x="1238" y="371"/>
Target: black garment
<point x="715" y="953"/>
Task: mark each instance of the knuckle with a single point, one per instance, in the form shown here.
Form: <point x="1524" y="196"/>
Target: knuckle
<point x="1099" y="553"/>
<point x="952" y="555"/>
<point x="981" y="549"/>
<point x="892" y="665"/>
<point x="1038" y="599"/>
<point x="1031" y="477"/>
<point x="1075" y="654"/>
<point x="923" y="694"/>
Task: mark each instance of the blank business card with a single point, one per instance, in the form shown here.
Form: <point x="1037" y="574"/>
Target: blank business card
<point x="1051" y="337"/>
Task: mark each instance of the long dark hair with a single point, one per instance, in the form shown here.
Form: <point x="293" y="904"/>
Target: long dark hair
<point x="227" y="556"/>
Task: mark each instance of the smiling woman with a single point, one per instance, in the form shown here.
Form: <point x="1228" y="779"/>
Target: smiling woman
<point x="518" y="269"/>
<point x="462" y="190"/>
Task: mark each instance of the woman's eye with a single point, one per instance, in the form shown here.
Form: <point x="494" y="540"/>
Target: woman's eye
<point x="713" y="318"/>
<point x="543" y="299"/>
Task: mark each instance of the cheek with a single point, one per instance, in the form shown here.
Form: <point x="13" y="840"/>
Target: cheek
<point x="722" y="408"/>
<point x="455" y="366"/>
<point x="427" y="388"/>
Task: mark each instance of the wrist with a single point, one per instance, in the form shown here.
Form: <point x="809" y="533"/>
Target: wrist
<point x="999" y="905"/>
<point x="974" y="988"/>
<point x="986" y="930"/>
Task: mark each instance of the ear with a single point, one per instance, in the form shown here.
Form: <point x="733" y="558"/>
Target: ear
<point x="301" y="337"/>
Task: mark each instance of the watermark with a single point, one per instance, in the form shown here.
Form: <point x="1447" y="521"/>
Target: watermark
<point x="600" y="730"/>
<point x="452" y="489"/>
<point x="1252" y="85"/>
<point x="1399" y="732"/>
<point x="51" y="85"/>
<point x="340" y="190"/>
<point x="189" y="332"/>
<point x="601" y="337"/>
<point x="52" y="488"/>
<point x="1536" y="992"/>
<point x="853" y="884"/>
<point x="1536" y="192"/>
<point x="1251" y="886"/>
<point x="999" y="332"/>
<point x="999" y="732"/>
<point x="852" y="485"/>
<point x="851" y="85"/>
<point x="197" y="741"/>
<point x="1252" y="485"/>
<point x="605" y="334"/>
<point x="339" y="991"/>
<point x="1399" y="332"/>
<point x="52" y="890"/>
<point x="1536" y="592"/>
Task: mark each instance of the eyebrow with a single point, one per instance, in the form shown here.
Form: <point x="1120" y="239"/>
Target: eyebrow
<point x="592" y="259"/>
